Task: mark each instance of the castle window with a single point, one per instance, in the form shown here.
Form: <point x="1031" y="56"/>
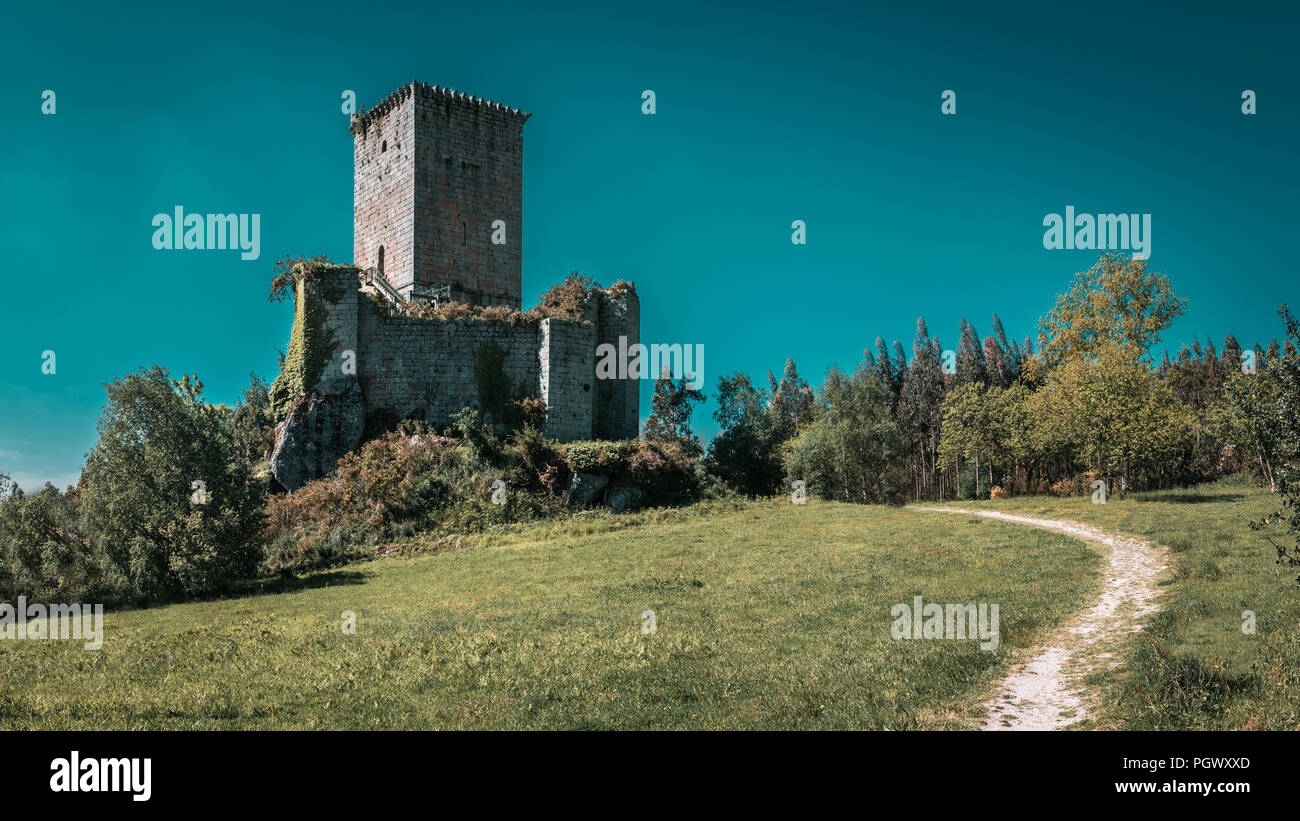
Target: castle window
<point x="383" y="146"/>
<point x="381" y="260"/>
<point x="464" y="232"/>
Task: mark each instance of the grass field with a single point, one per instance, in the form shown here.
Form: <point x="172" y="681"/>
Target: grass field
<point x="1194" y="668"/>
<point x="768" y="615"/>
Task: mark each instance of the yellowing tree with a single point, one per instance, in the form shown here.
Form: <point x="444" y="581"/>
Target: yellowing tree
<point x="1117" y="301"/>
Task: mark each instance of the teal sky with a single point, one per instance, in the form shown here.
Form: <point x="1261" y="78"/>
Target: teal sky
<point x="767" y="113"/>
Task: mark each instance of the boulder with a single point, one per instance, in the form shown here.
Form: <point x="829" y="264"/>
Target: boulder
<point x="320" y="429"/>
<point x="583" y="488"/>
<point x="623" y="498"/>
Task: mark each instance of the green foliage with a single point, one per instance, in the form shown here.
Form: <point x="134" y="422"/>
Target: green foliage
<point x="252" y="423"/>
<point x="43" y="554"/>
<point x="665" y="471"/>
<point x="988" y="426"/>
<point x="157" y="439"/>
<point x="1250" y="419"/>
<point x="311" y="345"/>
<point x="746" y="452"/>
<point x="919" y="412"/>
<point x="670" y="414"/>
<point x="610" y="458"/>
<point x="1112" y="412"/>
<point x="790" y="405"/>
<point x="291" y="272"/>
<point x="850" y="450"/>
<point x="1285" y="411"/>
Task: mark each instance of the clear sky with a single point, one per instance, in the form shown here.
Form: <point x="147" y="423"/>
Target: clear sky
<point x="766" y="113"/>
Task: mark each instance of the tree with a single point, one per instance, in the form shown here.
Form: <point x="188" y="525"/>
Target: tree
<point x="791" y="402"/>
<point x="1116" y="301"/>
<point x="42" y="551"/>
<point x="985" y="426"/>
<point x="851" y="450"/>
<point x="1109" y="412"/>
<point x="670" y="413"/>
<point x="919" y="411"/>
<point x="889" y="368"/>
<point x="1286" y="410"/>
<point x="166" y="500"/>
<point x="1248" y="418"/>
<point x="252" y="423"/>
<point x="744" y="453"/>
<point x="971" y="365"/>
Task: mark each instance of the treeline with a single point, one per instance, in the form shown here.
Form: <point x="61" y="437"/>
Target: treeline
<point x="999" y="417"/>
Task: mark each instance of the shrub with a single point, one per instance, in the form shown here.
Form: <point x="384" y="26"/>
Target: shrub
<point x="567" y="300"/>
<point x="42" y="551"/>
<point x="1065" y="486"/>
<point x="166" y="502"/>
<point x="411" y="482"/>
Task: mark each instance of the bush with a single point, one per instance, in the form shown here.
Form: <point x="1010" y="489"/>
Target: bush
<point x="1065" y="486"/>
<point x="166" y="501"/>
<point x="42" y="551"/>
<point x="412" y="483"/>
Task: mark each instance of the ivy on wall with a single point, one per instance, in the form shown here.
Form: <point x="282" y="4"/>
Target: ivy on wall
<point x="311" y="345"/>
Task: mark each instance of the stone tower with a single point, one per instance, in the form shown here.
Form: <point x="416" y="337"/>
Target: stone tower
<point x="438" y="195"/>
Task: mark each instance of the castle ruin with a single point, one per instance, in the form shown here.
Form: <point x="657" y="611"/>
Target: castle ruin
<point x="438" y="184"/>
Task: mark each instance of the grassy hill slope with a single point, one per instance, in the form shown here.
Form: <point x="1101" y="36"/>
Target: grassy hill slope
<point x="768" y="616"/>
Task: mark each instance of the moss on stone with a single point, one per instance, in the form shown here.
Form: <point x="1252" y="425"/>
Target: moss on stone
<point x="310" y="349"/>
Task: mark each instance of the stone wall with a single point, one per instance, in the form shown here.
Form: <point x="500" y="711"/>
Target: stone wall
<point x="568" y="377"/>
<point x="617" y="401"/>
<point x="430" y="369"/>
<point x="381" y="369"/>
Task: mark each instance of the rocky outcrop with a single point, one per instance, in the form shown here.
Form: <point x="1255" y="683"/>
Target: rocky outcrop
<point x="584" y="487"/>
<point x="320" y="428"/>
<point x="624" y="497"/>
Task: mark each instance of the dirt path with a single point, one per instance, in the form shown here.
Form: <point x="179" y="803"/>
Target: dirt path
<point x="1048" y="693"/>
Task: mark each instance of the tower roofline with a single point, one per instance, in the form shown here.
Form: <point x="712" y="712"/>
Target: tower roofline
<point x="362" y="121"/>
